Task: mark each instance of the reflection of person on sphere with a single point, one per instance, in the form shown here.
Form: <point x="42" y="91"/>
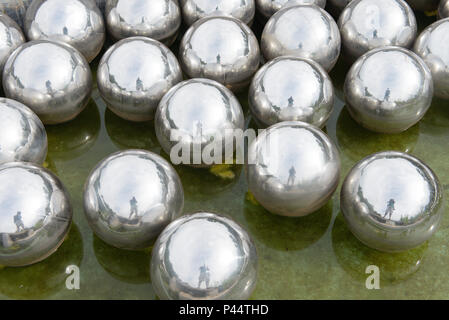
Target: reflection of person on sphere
<point x="18" y="221"/>
<point x="291" y="176"/>
<point x="133" y="205"/>
<point x="204" y="276"/>
<point x="390" y="209"/>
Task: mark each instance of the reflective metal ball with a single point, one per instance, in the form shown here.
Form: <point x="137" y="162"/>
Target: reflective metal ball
<point x="433" y="46"/>
<point x="443" y="9"/>
<point x="291" y="89"/>
<point x="15" y="9"/>
<point x="76" y="22"/>
<point x="392" y="201"/>
<point x="388" y="89"/>
<point x="304" y="31"/>
<point x="193" y="10"/>
<point x="424" y="5"/>
<point x="11" y="37"/>
<point x="133" y="84"/>
<point x="35" y="213"/>
<point x="130" y="197"/>
<point x="204" y="256"/>
<point x="51" y="78"/>
<point x="269" y="7"/>
<point x="197" y="117"/>
<point x="22" y="134"/>
<point x="293" y="168"/>
<point x="156" y="19"/>
<point x="369" y="24"/>
<point x="223" y="49"/>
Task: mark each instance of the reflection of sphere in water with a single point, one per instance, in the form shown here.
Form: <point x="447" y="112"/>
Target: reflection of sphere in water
<point x="204" y="256"/>
<point x="392" y="201"/>
<point x="125" y="265"/>
<point x="11" y="37"/>
<point x="130" y="197"/>
<point x="51" y="78"/>
<point x="22" y="134"/>
<point x="46" y="278"/>
<point x="355" y="257"/>
<point x="357" y="142"/>
<point x="35" y="213"/>
<point x="269" y="7"/>
<point x="424" y="5"/>
<point x="293" y="169"/>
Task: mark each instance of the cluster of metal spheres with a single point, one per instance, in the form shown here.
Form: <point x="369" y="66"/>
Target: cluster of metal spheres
<point x="132" y="199"/>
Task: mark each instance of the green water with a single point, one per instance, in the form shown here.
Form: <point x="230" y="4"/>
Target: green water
<point x="315" y="257"/>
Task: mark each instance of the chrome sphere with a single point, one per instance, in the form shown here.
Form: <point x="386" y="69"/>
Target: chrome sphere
<point x="133" y="84"/>
<point x="193" y="10"/>
<point x="51" y="78"/>
<point x="368" y="24"/>
<point x="443" y="9"/>
<point x="195" y="118"/>
<point x="304" y="31"/>
<point x="291" y="89"/>
<point x="130" y="197"/>
<point x="433" y="46"/>
<point x="35" y="213"/>
<point x="424" y="5"/>
<point x="293" y="168"/>
<point x="15" y="9"/>
<point x="269" y="7"/>
<point x="392" y="201"/>
<point x="388" y="89"/>
<point x="223" y="49"/>
<point x="156" y="19"/>
<point x="22" y="134"/>
<point x="75" y="22"/>
<point x="204" y="256"/>
<point x="11" y="37"/>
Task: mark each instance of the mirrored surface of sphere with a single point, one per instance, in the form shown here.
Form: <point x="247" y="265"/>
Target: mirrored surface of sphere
<point x="291" y="89"/>
<point x="22" y="134"/>
<point x="156" y="19"/>
<point x="133" y="84"/>
<point x="35" y="213"/>
<point x="130" y="197"/>
<point x="388" y="89"/>
<point x="193" y="10"/>
<point x="51" y="78"/>
<point x="293" y="168"/>
<point x="392" y="201"/>
<point x="424" y="5"/>
<point x="304" y="31"/>
<point x="196" y="120"/>
<point x="433" y="46"/>
<point x="76" y="22"/>
<point x="269" y="7"/>
<point x="443" y="9"/>
<point x="11" y="37"/>
<point x="369" y="24"/>
<point x="204" y="256"/>
<point x="223" y="49"/>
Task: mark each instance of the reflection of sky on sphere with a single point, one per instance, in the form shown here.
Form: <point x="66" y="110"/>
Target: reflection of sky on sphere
<point x="137" y="11"/>
<point x="439" y="42"/>
<point x="15" y="124"/>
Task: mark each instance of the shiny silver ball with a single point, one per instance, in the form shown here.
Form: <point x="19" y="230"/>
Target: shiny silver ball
<point x="433" y="46"/>
<point x="424" y="5"/>
<point x="193" y="10"/>
<point x="443" y="9"/>
<point x="133" y="84"/>
<point x="304" y="31"/>
<point x="51" y="78"/>
<point x="269" y="7"/>
<point x="223" y="49"/>
<point x="156" y="19"/>
<point x="195" y="121"/>
<point x="11" y="37"/>
<point x="392" y="201"/>
<point x="388" y="90"/>
<point x="293" y="168"/>
<point x="291" y="89"/>
<point x="130" y="197"/>
<point x="368" y="24"/>
<point x="35" y="213"/>
<point x="22" y="134"/>
<point x="76" y="22"/>
<point x="204" y="256"/>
